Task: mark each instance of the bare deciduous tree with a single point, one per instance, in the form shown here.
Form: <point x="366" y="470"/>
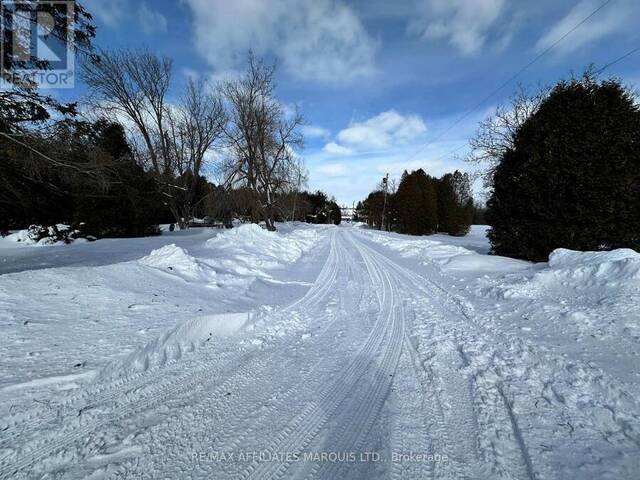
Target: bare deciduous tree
<point x="495" y="134"/>
<point x="196" y="124"/>
<point x="172" y="141"/>
<point x="261" y="140"/>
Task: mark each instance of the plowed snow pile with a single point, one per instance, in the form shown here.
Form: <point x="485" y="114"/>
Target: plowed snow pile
<point x="176" y="260"/>
<point x="62" y="326"/>
<point x="320" y="339"/>
<point x="251" y="250"/>
<point x="563" y="337"/>
<point x="592" y="268"/>
<point x="454" y="255"/>
<point x="584" y="297"/>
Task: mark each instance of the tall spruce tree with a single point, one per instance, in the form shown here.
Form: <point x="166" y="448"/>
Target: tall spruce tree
<point x="455" y="204"/>
<point x="572" y="178"/>
<point x="409" y="202"/>
<point x="429" y="190"/>
<point x="417" y="204"/>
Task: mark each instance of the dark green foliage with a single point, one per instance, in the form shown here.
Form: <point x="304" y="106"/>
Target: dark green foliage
<point x="479" y="215"/>
<point x="372" y="209"/>
<point x="423" y="205"/>
<point x="55" y="233"/>
<point x="359" y="214"/>
<point x="455" y="204"/>
<point x="129" y="204"/>
<point x="335" y="214"/>
<point x="108" y="195"/>
<point x="417" y="204"/>
<point x="410" y="198"/>
<point x="111" y="139"/>
<point x="319" y="208"/>
<point x="572" y="178"/>
<point x="28" y="194"/>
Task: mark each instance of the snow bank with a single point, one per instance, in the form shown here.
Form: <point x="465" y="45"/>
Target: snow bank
<point x="590" y="268"/>
<point x="575" y="271"/>
<point x="456" y="255"/>
<point x="175" y="260"/>
<point x="115" y="296"/>
<point x="251" y="250"/>
<point x="428" y="250"/>
<point x="21" y="237"/>
<point x="42" y="236"/>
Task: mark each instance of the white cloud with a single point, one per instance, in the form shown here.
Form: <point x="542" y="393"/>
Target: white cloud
<point x="354" y="177"/>
<point x="332" y="169"/>
<point x="227" y="75"/>
<point x="110" y="12"/>
<point x="365" y="167"/>
<point x="190" y="73"/>
<point x="333" y="148"/>
<point x="464" y="24"/>
<point x="151" y="21"/>
<point x="385" y="130"/>
<point x="320" y="40"/>
<point x="313" y="131"/>
<point x="434" y="167"/>
<point x="612" y="19"/>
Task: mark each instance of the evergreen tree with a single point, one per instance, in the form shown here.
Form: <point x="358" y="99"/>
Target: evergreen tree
<point x="126" y="201"/>
<point x="455" y="204"/>
<point x="359" y="213"/>
<point x="429" y="195"/>
<point x="409" y="201"/>
<point x="373" y="207"/>
<point x="416" y="204"/>
<point x="479" y="214"/>
<point x="335" y="214"/>
<point x="572" y="178"/>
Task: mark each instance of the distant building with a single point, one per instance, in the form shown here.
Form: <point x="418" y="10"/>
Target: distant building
<point x="348" y="214"/>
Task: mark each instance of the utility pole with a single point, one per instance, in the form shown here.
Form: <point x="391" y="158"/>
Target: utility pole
<point x="385" y="183"/>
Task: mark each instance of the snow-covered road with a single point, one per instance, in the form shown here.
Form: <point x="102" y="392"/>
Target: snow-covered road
<point x="379" y="371"/>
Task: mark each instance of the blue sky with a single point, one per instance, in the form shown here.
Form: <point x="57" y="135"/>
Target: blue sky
<point x="378" y="80"/>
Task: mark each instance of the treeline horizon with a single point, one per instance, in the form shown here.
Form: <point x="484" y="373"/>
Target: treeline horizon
<point x="121" y="177"/>
<point x="421" y="204"/>
<point x="562" y="163"/>
<point x="562" y="171"/>
<point x="118" y="198"/>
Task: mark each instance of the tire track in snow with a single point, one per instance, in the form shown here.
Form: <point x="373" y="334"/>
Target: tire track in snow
<point x="160" y="390"/>
<point x="352" y="434"/>
<point x="434" y="384"/>
<point x="306" y="426"/>
<point x="518" y="463"/>
<point x="231" y="417"/>
<point x="105" y="392"/>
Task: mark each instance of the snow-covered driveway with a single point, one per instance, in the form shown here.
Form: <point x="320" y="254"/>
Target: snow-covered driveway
<point x="377" y="372"/>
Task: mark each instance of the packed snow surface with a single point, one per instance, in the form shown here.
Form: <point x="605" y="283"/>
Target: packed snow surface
<point x="317" y="352"/>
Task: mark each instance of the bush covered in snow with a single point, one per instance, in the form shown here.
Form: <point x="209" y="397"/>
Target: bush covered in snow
<point x="49" y="235"/>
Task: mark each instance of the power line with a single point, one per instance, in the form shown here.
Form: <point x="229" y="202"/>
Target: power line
<point x="509" y="80"/>
<point x="619" y="59"/>
<point x="598" y="72"/>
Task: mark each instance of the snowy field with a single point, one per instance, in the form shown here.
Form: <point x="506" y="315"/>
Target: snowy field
<point x="316" y="352"/>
